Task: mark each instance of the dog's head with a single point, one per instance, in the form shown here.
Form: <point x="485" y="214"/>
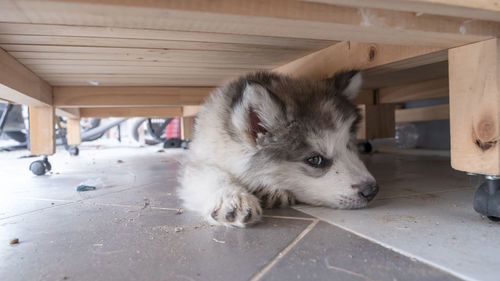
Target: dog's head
<point x="299" y="135"/>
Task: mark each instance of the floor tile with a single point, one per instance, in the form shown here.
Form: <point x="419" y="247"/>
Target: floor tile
<point x="82" y="242"/>
<point x="330" y="253"/>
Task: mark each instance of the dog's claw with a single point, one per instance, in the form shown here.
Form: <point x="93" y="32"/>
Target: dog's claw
<point x="237" y="210"/>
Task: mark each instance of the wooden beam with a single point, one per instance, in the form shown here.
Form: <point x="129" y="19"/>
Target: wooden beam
<point x="427" y="113"/>
<point x="19" y="85"/>
<point x="74" y="131"/>
<point x="68" y="112"/>
<point x="105" y="112"/>
<point x="351" y="55"/>
<point x="377" y="121"/>
<point x="477" y="9"/>
<point x="129" y="96"/>
<point x="475" y="107"/>
<point x="279" y="18"/>
<point x="187" y="128"/>
<point x="42" y="130"/>
<point x="430" y="89"/>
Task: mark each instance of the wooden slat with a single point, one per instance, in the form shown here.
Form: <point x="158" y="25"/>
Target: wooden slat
<point x="155" y="34"/>
<point x="102" y="53"/>
<point x="477" y="9"/>
<point x="427" y="113"/>
<point x="15" y="39"/>
<point x="135" y="80"/>
<point x="73" y="129"/>
<point x="284" y="18"/>
<point x="430" y="89"/>
<point x="18" y="84"/>
<point x="105" y="112"/>
<point x="42" y="130"/>
<point x="350" y="55"/>
<point x="129" y="96"/>
<point x="475" y="107"/>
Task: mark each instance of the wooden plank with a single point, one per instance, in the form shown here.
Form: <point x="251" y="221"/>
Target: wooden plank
<point x="187" y="128"/>
<point x="16" y="39"/>
<point x="477" y="9"/>
<point x="42" y="130"/>
<point x="475" y="107"/>
<point x="129" y="96"/>
<point x="427" y="113"/>
<point x="68" y="112"/>
<point x="377" y="121"/>
<point x="18" y="84"/>
<point x="136" y="80"/>
<point x="190" y="110"/>
<point x="143" y="70"/>
<point x="156" y="34"/>
<point x="429" y="89"/>
<point x="350" y="55"/>
<point x="269" y="58"/>
<point x="283" y="18"/>
<point x="105" y="112"/>
<point x="73" y="129"/>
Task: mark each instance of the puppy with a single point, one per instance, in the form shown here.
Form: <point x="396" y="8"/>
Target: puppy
<point x="267" y="140"/>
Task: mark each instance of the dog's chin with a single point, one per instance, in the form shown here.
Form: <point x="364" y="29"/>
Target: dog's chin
<point x="349" y="204"/>
<point x="345" y="203"/>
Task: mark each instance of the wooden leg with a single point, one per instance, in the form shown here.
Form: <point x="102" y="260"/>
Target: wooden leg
<point x="73" y="130"/>
<point x="378" y="121"/>
<point x="474" y="77"/>
<point x="187" y="128"/>
<point x="42" y="130"/>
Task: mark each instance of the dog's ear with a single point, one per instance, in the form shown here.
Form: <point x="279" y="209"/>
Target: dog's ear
<point x="258" y="112"/>
<point x="346" y="83"/>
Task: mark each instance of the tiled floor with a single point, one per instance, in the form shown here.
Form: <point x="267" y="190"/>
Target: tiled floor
<point x="130" y="228"/>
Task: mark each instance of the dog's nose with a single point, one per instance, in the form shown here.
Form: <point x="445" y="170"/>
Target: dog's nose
<point x="369" y="191"/>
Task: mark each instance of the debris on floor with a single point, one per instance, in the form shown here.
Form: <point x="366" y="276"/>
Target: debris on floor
<point x="179" y="211"/>
<point x="178" y="229"/>
<point x="219" y="241"/>
<point x="14" y="241"/>
<point x="119" y="161"/>
<point x="90" y="184"/>
<point x="161" y="150"/>
<point x="147" y="202"/>
<point x="83" y="187"/>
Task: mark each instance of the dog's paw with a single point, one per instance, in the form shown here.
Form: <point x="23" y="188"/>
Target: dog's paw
<point x="275" y="199"/>
<point x="237" y="209"/>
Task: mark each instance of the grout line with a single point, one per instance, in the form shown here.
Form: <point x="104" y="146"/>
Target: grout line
<point x="37" y="210"/>
<point x="289" y="218"/>
<point x="284" y="251"/>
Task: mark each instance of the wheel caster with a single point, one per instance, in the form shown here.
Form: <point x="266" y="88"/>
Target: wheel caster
<point x="185" y="144"/>
<point x="364" y="147"/>
<point x="73" y="150"/>
<point x="172" y="143"/>
<point x="487" y="198"/>
<point x="40" y="167"/>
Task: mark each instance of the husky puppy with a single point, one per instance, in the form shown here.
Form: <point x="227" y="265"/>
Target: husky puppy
<point x="267" y="140"/>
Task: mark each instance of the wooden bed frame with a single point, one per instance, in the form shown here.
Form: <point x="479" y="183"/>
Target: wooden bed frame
<point x="102" y="58"/>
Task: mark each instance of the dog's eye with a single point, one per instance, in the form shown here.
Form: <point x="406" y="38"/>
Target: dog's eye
<point x="316" y="161"/>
